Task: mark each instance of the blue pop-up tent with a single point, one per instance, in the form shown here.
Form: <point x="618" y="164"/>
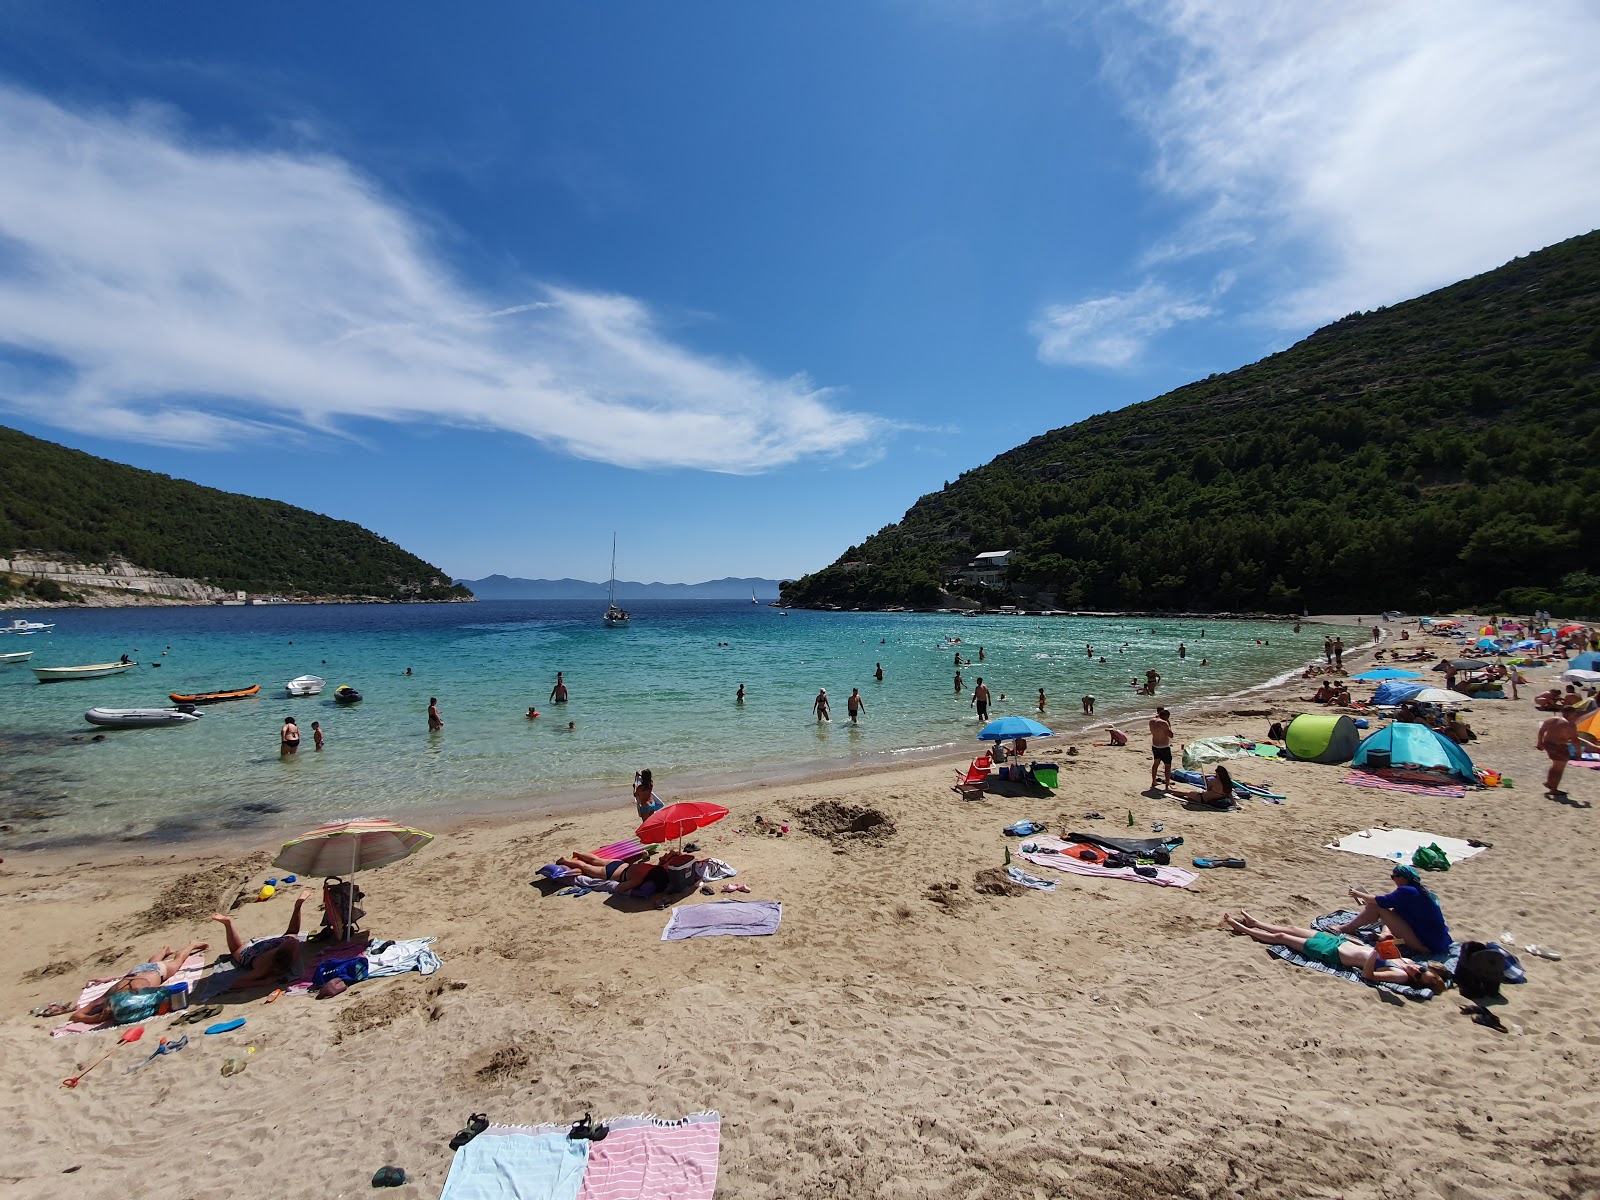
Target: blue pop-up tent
<point x="1415" y="746"/>
<point x="1587" y="661"/>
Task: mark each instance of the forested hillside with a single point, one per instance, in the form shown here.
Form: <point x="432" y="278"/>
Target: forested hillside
<point x="64" y="501"/>
<point x="1436" y="453"/>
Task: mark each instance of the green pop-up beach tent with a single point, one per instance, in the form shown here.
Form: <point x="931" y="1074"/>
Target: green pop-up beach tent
<point x="1321" y="737"/>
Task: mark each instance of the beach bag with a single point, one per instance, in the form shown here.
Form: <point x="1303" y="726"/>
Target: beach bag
<point x="1430" y="858"/>
<point x="348" y="970"/>
<point x="1484" y="967"/>
<point x="127" y="1007"/>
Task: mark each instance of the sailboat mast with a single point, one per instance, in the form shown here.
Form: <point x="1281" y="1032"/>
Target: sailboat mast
<point x="611" y="593"/>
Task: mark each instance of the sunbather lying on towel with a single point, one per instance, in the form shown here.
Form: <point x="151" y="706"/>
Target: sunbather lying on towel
<point x="1411" y="912"/>
<point x="641" y="879"/>
<point x="150" y="974"/>
<point x="1336" y="950"/>
<point x="1218" y="791"/>
<point x="265" y="959"/>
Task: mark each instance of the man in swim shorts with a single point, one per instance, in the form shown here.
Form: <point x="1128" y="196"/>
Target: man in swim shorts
<point x="262" y="960"/>
<point x="558" y="694"/>
<point x="855" y="705"/>
<point x="1555" y="738"/>
<point x="1161" y="747"/>
<point x="980" y="699"/>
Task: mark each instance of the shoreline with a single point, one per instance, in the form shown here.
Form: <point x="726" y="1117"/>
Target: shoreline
<point x="488" y="813"/>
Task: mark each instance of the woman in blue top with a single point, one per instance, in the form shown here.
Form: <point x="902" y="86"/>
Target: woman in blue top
<point x="1411" y="912"/>
<point x="644" y="794"/>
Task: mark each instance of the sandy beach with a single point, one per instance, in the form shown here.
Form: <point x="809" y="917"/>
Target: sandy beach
<point x="903" y="1035"/>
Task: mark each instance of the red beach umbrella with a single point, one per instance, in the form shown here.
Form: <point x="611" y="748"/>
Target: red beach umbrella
<point x="675" y="820"/>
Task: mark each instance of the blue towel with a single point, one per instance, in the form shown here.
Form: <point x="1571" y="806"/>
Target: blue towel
<point x="517" y="1166"/>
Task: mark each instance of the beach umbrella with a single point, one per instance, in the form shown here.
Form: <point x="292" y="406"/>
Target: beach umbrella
<point x="675" y="820"/>
<point x="1589" y="726"/>
<point x="1386" y="673"/>
<point x="1439" y="696"/>
<point x="345" y="847"/>
<point x="1577" y="676"/>
<point x="1566" y="629"/>
<point x="1526" y="644"/>
<point x="1003" y="729"/>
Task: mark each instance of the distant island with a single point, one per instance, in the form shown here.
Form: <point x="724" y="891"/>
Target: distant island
<point x="76" y="529"/>
<point x="501" y="587"/>
<point x="1429" y="455"/>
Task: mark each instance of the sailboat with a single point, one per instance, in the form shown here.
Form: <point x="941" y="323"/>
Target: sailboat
<point x="614" y="615"/>
<point x="753" y="599"/>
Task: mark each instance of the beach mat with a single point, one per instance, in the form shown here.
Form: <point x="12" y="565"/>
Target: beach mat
<point x="189" y="973"/>
<point x="1448" y="960"/>
<point x="641" y="1157"/>
<point x="311" y="956"/>
<point x="1367" y="779"/>
<point x="1398" y="845"/>
<point x="1058" y="855"/>
<point x="723" y="918"/>
<point x="1126" y="845"/>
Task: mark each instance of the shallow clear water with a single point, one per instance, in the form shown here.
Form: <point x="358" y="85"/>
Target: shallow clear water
<point x="659" y="693"/>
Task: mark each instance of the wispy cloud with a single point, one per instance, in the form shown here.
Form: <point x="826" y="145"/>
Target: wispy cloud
<point x="1384" y="148"/>
<point x="1339" y="157"/>
<point x="158" y="287"/>
<point x="1111" y="331"/>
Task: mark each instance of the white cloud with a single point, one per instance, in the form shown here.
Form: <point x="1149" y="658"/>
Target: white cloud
<point x="1386" y="148"/>
<point x="1111" y="331"/>
<point x="156" y="287"/>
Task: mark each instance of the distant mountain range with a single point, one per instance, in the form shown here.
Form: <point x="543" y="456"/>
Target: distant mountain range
<point x="501" y="587"/>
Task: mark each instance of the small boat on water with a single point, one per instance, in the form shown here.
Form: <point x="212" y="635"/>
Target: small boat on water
<point x="306" y="685"/>
<point x="19" y="656"/>
<point x="614" y="615"/>
<point x="90" y="671"/>
<point x="215" y="697"/>
<point x="345" y="694"/>
<point x="18" y="625"/>
<point x="139" y="718"/>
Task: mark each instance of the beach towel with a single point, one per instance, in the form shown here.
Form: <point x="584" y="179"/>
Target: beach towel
<point x="1449" y="959"/>
<point x="1368" y="779"/>
<point x="189" y="973"/>
<point x="506" y="1163"/>
<point x="399" y="957"/>
<point x="615" y="852"/>
<point x="651" y="1159"/>
<point x="1059" y="856"/>
<point x="723" y="918"/>
<point x="312" y="955"/>
<point x="1398" y="845"/>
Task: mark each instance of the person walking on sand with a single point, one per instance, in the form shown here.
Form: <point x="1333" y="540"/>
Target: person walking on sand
<point x="855" y="705"/>
<point x="1043" y="703"/>
<point x="558" y="694"/>
<point x="980" y="699"/>
<point x="820" y="706"/>
<point x="878" y="674"/>
<point x="435" y="721"/>
<point x="316" y="734"/>
<point x="1556" y="737"/>
<point x="289" y="738"/>
<point x="1161" y="747"/>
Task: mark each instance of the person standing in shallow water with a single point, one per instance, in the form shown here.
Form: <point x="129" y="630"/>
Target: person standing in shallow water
<point x="855" y="705"/>
<point x="1042" y="702"/>
<point x="980" y="699"/>
<point x="738" y="697"/>
<point x="820" y="706"/>
<point x="435" y="721"/>
<point x="316" y="734"/>
<point x="558" y="694"/>
<point x="289" y="738"/>
<point x="878" y="674"/>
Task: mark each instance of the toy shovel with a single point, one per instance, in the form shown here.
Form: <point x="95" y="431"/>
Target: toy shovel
<point x="128" y="1035"/>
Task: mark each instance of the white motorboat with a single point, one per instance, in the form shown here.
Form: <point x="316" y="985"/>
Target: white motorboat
<point x="19" y="656"/>
<point x="614" y="615"/>
<point x="139" y="718"/>
<point x="305" y="685"/>
<point x="18" y="625"/>
<point x="91" y="671"/>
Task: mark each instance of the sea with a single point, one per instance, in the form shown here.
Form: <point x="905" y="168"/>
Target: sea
<point x="658" y="693"/>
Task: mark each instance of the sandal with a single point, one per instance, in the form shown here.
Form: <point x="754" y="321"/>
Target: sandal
<point x="195" y="1016"/>
<point x="51" y="1010"/>
<point x="476" y="1124"/>
<point x="587" y="1129"/>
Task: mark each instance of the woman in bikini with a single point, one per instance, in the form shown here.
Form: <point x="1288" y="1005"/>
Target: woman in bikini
<point x="146" y="975"/>
<point x="629" y="877"/>
<point x="1218" y="792"/>
<point x="1336" y="950"/>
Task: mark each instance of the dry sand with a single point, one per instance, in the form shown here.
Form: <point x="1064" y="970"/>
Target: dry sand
<point x="895" y="1039"/>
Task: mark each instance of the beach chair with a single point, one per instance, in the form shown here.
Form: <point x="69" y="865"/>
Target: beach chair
<point x="971" y="784"/>
<point x="630" y="850"/>
<point x="341" y="911"/>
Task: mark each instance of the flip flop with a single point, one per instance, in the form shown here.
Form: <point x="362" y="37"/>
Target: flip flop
<point x="195" y="1015"/>
<point x="476" y="1124"/>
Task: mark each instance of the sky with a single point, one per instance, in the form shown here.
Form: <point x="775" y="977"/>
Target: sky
<point x="735" y="282"/>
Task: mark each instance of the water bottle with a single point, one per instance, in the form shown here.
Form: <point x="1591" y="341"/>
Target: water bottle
<point x="178" y="996"/>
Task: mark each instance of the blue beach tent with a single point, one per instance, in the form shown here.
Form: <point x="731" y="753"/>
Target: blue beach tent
<point x="1401" y="745"/>
<point x="1386" y="673"/>
<point x="1393" y="691"/>
<point x="1587" y="661"/>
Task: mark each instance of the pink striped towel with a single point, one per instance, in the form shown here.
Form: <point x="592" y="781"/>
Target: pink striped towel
<point x="1047" y="856"/>
<point x="1415" y="787"/>
<point x="651" y="1159"/>
<point x="616" y="852"/>
<point x="189" y="973"/>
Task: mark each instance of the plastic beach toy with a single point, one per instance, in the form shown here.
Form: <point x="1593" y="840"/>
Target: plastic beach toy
<point x="225" y="1026"/>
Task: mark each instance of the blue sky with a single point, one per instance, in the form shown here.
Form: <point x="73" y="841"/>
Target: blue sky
<point x="738" y="282"/>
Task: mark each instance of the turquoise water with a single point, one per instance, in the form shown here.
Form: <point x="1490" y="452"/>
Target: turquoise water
<point x="658" y="694"/>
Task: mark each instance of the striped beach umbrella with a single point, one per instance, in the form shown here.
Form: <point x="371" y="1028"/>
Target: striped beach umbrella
<point x="346" y="847"/>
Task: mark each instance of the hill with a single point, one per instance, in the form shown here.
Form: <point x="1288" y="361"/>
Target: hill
<point x="500" y="587"/>
<point x="1431" y="454"/>
<point x="65" y="502"/>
